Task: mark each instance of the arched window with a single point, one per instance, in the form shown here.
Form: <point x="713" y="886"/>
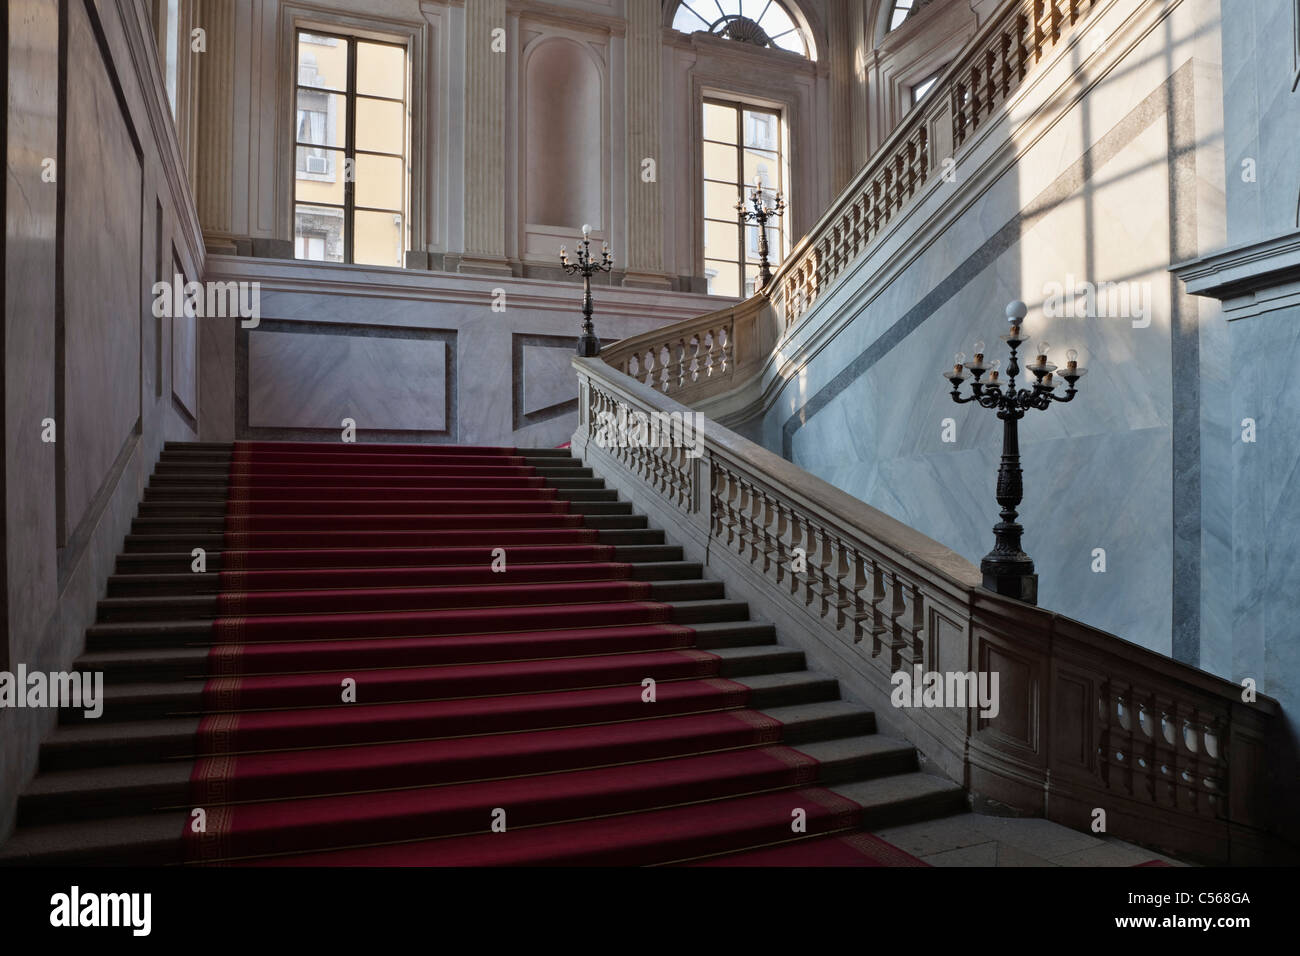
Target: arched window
<point x="765" y="23"/>
<point x="902" y="10"/>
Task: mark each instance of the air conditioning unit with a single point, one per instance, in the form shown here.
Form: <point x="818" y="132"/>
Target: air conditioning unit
<point x="318" y="164"/>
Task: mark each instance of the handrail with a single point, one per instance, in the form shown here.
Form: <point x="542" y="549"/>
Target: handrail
<point x="1086" y="720"/>
<point x="700" y="357"/>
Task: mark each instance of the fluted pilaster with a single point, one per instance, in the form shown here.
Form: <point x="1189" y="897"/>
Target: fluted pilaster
<point x="215" y="127"/>
<point x="643" y="98"/>
<point x="485" y="108"/>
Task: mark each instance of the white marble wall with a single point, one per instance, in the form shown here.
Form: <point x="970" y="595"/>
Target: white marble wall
<point x="1110" y="189"/>
<point x="82" y="346"/>
<point x="410" y="356"/>
<point x="1260" y="480"/>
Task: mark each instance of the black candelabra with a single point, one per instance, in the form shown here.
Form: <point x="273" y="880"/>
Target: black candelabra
<point x="586" y="266"/>
<point x="1007" y="569"/>
<point x="760" y="212"/>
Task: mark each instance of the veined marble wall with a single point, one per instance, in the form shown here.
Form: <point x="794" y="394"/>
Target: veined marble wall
<point x="409" y="356"/>
<point x="1252" y="287"/>
<point x="1111" y="187"/>
<point x="97" y="210"/>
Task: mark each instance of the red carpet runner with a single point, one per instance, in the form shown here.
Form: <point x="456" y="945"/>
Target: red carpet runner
<point x="368" y="570"/>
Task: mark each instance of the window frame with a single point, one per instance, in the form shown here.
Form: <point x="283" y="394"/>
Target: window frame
<point x="777" y="248"/>
<point x="800" y="26"/>
<point x="349" y="149"/>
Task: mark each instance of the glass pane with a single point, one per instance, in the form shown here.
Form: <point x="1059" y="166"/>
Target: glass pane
<point x="720" y="162"/>
<point x="720" y="123"/>
<point x="764" y="165"/>
<point x="322" y="62"/>
<point x="791" y="41"/>
<point x="318" y="233"/>
<point x="381" y="70"/>
<point x="721" y="239"/>
<point x="774" y="20"/>
<point x="378" y="238"/>
<point x="720" y="200"/>
<point x="762" y="130"/>
<point x="319" y="175"/>
<point x="724" y="277"/>
<point x="688" y="20"/>
<point x="322" y="118"/>
<point x="381" y="125"/>
<point x="379" y="182"/>
<point x="919" y="91"/>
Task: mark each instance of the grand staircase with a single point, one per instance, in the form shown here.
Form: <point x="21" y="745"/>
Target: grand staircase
<point x="442" y="655"/>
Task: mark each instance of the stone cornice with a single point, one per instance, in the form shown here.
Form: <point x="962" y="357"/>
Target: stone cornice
<point x="1248" y="279"/>
<point x="534" y="11"/>
<point x="291" y="276"/>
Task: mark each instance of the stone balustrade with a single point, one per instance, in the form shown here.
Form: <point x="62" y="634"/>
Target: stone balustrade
<point x="1084" y="721"/>
<point x="980" y="78"/>
<point x="701" y="357"/>
<point x="720" y="352"/>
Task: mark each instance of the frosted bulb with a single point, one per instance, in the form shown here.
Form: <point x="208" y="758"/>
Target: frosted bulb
<point x="586" y="229"/>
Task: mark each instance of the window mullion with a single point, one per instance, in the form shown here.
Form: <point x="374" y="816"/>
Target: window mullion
<point x="740" y="180"/>
<point x="350" y="154"/>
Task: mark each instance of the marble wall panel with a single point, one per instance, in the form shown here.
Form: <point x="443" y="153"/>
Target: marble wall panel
<point x="387" y="380"/>
<point x="101" y="266"/>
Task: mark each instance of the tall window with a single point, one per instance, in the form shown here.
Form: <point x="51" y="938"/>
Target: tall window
<point x="742" y="145"/>
<point x="351" y="183"/>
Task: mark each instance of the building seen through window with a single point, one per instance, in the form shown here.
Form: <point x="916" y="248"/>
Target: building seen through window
<point x="351" y="189"/>
<point x="742" y="146"/>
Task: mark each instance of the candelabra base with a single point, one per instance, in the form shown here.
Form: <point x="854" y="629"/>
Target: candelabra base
<point x="1023" y="586"/>
<point x="588" y="345"/>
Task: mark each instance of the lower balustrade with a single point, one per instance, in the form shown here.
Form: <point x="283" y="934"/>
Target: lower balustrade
<point x="1086" y="728"/>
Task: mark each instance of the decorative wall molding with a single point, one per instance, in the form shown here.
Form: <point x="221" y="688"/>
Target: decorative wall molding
<point x="441" y="287"/>
<point x="1250" y="280"/>
<point x="521" y="415"/>
<point x="245" y="384"/>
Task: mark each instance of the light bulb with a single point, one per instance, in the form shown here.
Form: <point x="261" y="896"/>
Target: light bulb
<point x="1043" y="348"/>
<point x="586" y="229"/>
<point x="960" y="358"/>
<point x="979" y="348"/>
<point x="996" y="364"/>
<point x="1072" y="355"/>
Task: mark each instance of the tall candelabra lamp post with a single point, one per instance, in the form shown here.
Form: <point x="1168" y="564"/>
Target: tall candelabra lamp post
<point x="587" y="266"/>
<point x="1007" y="569"/>
<point x="760" y="212"/>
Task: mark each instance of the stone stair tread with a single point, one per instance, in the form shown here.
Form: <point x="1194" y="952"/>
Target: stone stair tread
<point x="900" y="788"/>
<point x="93" y="839"/>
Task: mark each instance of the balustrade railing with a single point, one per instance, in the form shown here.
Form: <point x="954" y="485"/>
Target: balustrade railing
<point x="986" y="72"/>
<point x="1085" y="720"/>
<point x="700" y="357"/>
<point x="712" y="354"/>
